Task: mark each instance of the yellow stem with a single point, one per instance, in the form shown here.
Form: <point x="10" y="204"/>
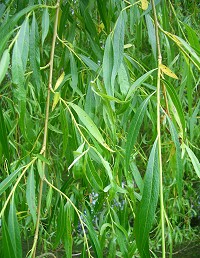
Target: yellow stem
<point x="159" y="129"/>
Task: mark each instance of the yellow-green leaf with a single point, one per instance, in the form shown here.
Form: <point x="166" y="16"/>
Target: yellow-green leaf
<point x="167" y="71"/>
<point x="144" y="4"/>
<point x="59" y="81"/>
<point x="127" y="46"/>
<point x="56" y="99"/>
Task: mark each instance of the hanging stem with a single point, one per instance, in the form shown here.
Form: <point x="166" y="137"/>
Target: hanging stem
<point x="158" y="128"/>
<point x="44" y="146"/>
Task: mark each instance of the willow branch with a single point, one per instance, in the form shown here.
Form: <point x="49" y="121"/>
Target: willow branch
<point x="158" y="127"/>
<point x="44" y="146"/>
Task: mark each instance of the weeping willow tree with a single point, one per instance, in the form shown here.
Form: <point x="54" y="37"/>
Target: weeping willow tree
<point x="99" y="116"/>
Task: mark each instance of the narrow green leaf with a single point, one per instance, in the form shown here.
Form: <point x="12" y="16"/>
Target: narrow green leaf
<point x="177" y="104"/>
<point x="35" y="52"/>
<point x="7" y="244"/>
<point x="56" y="99"/>
<point x="134" y="128"/>
<point x="121" y="234"/>
<point x="8" y="180"/>
<point x="192" y="36"/>
<point x="74" y="72"/>
<point x="64" y="128"/>
<point x="61" y="223"/>
<point x="6" y="30"/>
<point x="112" y="248"/>
<point x="40" y="169"/>
<point x="108" y="66"/>
<point x="138" y="82"/>
<point x="151" y="34"/>
<point x="49" y="198"/>
<point x="93" y="176"/>
<point x="137" y="176"/>
<point x="90" y="26"/>
<point x="191" y="51"/>
<point x="103" y="228"/>
<point x="106" y="166"/>
<point x="68" y="240"/>
<point x="54" y="129"/>
<point x="42" y="158"/>
<point x="3" y="138"/>
<point x="30" y="194"/>
<point x="91" y="64"/>
<point x="45" y="24"/>
<point x="4" y="63"/>
<point x="89" y="124"/>
<point x="103" y="13"/>
<point x="17" y="69"/>
<point x="121" y="229"/>
<point x="93" y="236"/>
<point x="179" y="161"/>
<point x="108" y="97"/>
<point x="195" y="161"/>
<point x="18" y="73"/>
<point x="23" y="42"/>
<point x="147" y="207"/>
<point x="118" y="47"/>
<point x="193" y="120"/>
<point x="123" y="79"/>
<point x="14" y="230"/>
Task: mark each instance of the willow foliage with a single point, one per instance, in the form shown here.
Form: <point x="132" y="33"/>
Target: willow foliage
<point x="87" y="164"/>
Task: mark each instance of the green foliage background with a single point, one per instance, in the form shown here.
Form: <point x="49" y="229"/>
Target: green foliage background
<point x="79" y="162"/>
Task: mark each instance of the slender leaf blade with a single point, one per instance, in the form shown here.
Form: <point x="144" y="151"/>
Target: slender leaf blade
<point x="23" y="42"/>
<point x="138" y="82"/>
<point x="93" y="176"/>
<point x="194" y="160"/>
<point x="35" y="51"/>
<point x="89" y="124"/>
<point x="3" y="137"/>
<point x="118" y="47"/>
<point x="6" y="30"/>
<point x="176" y="102"/>
<point x="45" y="24"/>
<point x="108" y="65"/>
<point x="147" y="207"/>
<point x="8" y="180"/>
<point x="134" y="129"/>
<point x="30" y="194"/>
<point x="4" y="63"/>
<point x="179" y="162"/>
<point x="14" y="230"/>
<point x="7" y="244"/>
<point x="68" y="240"/>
